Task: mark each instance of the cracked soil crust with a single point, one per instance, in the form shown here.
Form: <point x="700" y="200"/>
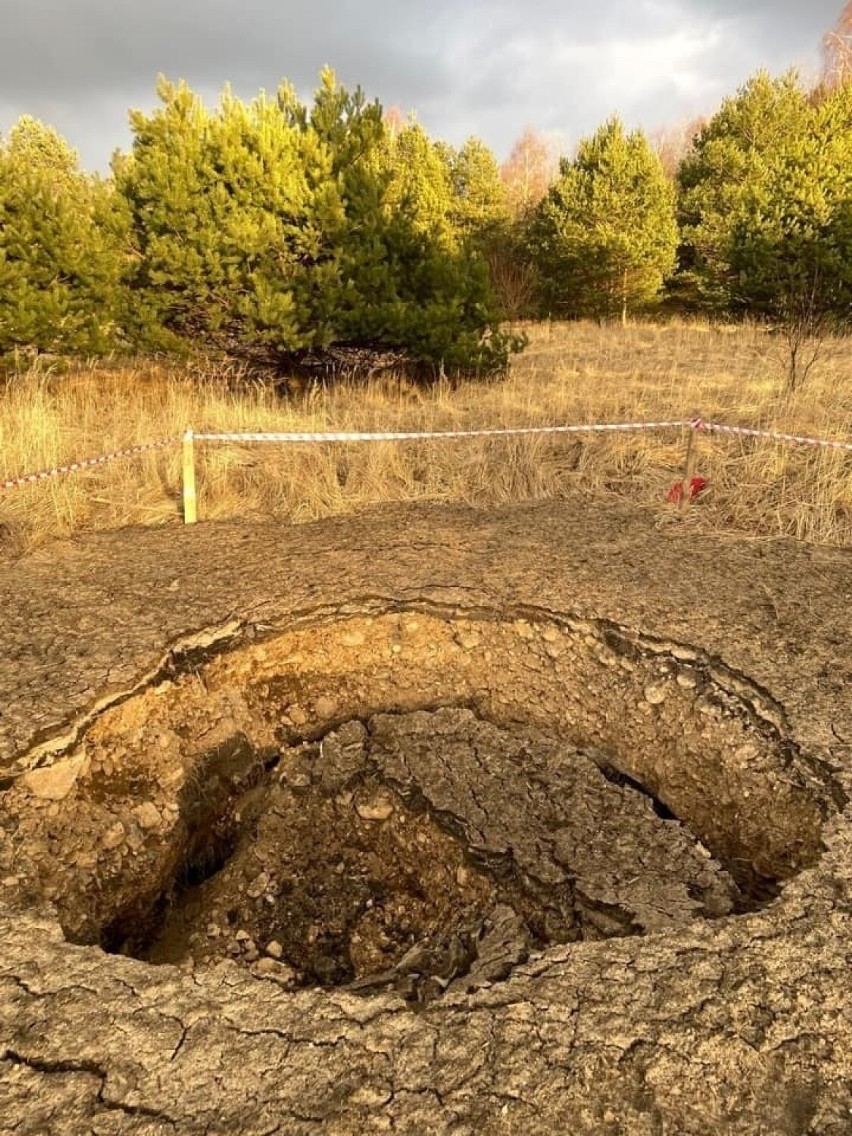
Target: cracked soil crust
<point x="433" y="821"/>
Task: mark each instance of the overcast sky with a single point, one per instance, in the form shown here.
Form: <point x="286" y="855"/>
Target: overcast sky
<point x="485" y="67"/>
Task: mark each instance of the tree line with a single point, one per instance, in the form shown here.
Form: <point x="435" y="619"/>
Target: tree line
<point x="283" y="232"/>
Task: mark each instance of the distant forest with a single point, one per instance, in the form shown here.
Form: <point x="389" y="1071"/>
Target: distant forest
<point x="289" y="235"/>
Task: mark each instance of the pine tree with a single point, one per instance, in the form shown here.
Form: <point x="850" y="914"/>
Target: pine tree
<point x="419" y="181"/>
<point x="791" y="237"/>
<point x="479" y="205"/>
<point x="410" y="276"/>
<point x="604" y="238"/>
<point x="275" y="230"/>
<point x="732" y="158"/>
<point x="766" y="199"/>
<point x="228" y="212"/>
<point x="61" y="249"/>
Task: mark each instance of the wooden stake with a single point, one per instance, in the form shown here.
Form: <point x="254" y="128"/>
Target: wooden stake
<point x="190" y="504"/>
<point x="688" y="471"/>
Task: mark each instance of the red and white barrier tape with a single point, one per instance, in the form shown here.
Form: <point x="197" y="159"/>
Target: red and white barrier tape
<point x="425" y="435"/>
<point x="770" y="435"/>
<point x="415" y="435"/>
<point x="85" y="463"/>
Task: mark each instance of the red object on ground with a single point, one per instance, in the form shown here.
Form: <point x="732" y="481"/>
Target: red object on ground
<point x="697" y="485"/>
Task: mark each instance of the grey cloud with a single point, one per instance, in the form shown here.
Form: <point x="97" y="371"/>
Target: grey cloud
<point x="88" y="46"/>
<point x="482" y="66"/>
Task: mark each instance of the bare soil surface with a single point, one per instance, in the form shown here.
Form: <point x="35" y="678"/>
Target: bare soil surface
<point x="428" y="821"/>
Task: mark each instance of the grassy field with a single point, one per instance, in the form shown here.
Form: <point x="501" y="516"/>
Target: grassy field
<point x="569" y="374"/>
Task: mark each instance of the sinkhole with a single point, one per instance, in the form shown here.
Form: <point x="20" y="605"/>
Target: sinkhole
<point x="416" y="800"/>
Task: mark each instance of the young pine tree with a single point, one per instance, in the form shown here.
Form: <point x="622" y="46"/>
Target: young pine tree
<point x="791" y="238"/>
<point x="62" y="249"/>
<point x="479" y="206"/>
<point x="604" y="238"/>
<point x="732" y="162"/>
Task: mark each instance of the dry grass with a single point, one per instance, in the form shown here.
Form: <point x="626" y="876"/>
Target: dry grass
<point x="570" y="374"/>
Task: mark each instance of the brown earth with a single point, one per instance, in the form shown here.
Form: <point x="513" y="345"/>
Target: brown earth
<point x="432" y="821"/>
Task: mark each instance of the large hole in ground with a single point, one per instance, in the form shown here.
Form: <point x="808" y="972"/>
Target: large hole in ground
<point x="416" y="800"/>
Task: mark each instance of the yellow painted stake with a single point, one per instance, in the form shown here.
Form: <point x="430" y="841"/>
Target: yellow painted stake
<point x="190" y="502"/>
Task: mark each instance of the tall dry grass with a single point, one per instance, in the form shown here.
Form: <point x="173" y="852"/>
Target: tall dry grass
<point x="569" y="374"/>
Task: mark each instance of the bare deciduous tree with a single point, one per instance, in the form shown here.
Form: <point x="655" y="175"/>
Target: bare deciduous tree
<point x="837" y="51"/>
<point x="528" y="172"/>
<point x="673" y="143"/>
<point x="395" y="121"/>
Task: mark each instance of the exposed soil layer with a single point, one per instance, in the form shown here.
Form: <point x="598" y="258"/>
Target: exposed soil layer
<point x="584" y="809"/>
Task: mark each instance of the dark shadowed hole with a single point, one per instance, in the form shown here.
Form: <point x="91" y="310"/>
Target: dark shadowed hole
<point x="332" y="863"/>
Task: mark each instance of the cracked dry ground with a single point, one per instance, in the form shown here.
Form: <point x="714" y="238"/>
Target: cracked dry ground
<point x="429" y="821"/>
